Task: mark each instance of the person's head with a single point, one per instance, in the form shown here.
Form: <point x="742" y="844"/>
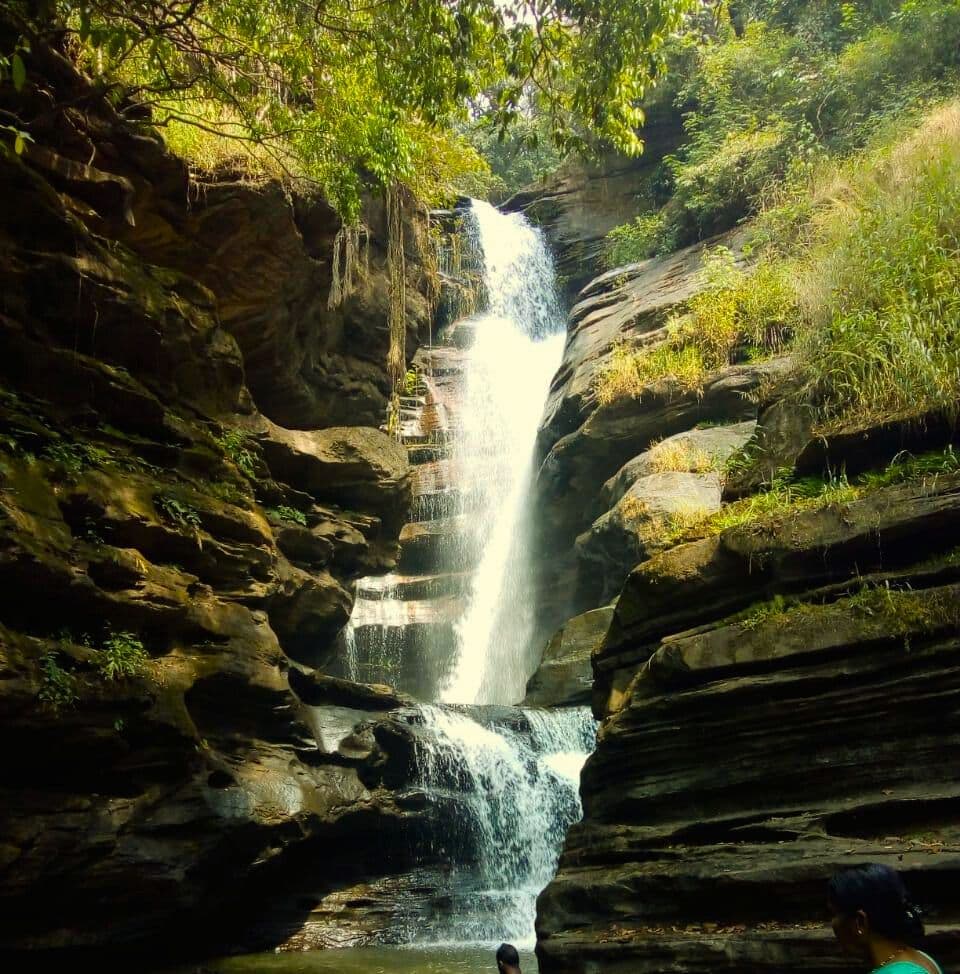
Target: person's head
<point x="508" y="959"/>
<point x="868" y="903"/>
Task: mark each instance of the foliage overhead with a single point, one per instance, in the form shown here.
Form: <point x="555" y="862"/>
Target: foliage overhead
<point x="350" y="93"/>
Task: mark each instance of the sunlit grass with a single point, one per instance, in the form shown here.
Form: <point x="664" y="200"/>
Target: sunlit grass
<point x="879" y="287"/>
<point x="787" y="496"/>
<point x="867" y="294"/>
<point x="679" y="454"/>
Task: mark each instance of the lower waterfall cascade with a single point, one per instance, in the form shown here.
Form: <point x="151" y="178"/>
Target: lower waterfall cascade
<point x="453" y="625"/>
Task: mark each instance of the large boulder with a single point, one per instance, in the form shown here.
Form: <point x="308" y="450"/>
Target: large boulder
<point x="639" y="524"/>
<point x="578" y="464"/>
<point x="348" y="465"/>
<point x="700" y="450"/>
<point x="565" y="676"/>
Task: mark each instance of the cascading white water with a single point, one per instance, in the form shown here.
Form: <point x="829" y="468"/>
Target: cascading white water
<point x="516" y="349"/>
<point x="507" y="777"/>
<point x="519" y="789"/>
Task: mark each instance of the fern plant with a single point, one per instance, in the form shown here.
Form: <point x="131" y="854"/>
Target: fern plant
<point x="122" y="656"/>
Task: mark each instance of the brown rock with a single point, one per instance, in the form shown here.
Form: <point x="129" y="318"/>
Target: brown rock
<point x="565" y="677"/>
<point x="746" y="757"/>
<point x="639" y="524"/>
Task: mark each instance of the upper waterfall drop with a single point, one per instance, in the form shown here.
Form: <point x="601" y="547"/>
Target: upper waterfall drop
<point x="517" y="344"/>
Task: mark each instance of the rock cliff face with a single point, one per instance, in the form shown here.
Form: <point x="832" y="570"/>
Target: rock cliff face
<point x="187" y="488"/>
<point x="779" y="698"/>
<point x="584" y="201"/>
<point x="582" y="443"/>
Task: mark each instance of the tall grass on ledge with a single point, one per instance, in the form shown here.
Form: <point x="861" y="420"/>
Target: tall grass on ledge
<point x="879" y="289"/>
<point x="866" y="290"/>
<point x="737" y="316"/>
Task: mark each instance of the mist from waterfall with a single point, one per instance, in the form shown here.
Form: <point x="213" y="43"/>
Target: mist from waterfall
<point x="517" y="344"/>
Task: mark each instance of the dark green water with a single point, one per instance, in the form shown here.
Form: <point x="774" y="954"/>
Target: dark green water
<point x="364" y="960"/>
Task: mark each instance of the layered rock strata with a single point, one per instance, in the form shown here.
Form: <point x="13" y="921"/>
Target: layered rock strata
<point x="779" y="697"/>
<point x="172" y="560"/>
<point x="583" y="443"/>
<point x="751" y="746"/>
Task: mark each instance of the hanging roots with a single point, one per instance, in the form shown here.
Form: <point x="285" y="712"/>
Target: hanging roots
<point x="427" y="241"/>
<point x="351" y="263"/>
<point x="396" y="266"/>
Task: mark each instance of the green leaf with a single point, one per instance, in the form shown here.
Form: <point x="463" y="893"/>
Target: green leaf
<point x="19" y="144"/>
<point x="19" y="72"/>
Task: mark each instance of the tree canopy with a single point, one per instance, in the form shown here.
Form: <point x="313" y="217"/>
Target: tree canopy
<point x="357" y="92"/>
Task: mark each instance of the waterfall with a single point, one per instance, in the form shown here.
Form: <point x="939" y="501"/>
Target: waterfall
<point x="516" y="349"/>
<point x="520" y="791"/>
<point x="453" y="625"/>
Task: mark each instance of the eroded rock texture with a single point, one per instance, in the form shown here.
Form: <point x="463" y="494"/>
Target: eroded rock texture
<point x="582" y="444"/>
<point x="779" y="699"/>
<point x="745" y="757"/>
<point x="157" y="341"/>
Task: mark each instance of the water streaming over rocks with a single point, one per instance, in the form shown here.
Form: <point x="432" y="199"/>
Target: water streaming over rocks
<point x="520" y="791"/>
<point x="516" y="348"/>
<point x="453" y="625"/>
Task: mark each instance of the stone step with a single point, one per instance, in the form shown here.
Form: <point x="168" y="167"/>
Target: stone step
<point x="403" y="587"/>
<point x="431" y="477"/>
<point x="413" y="658"/>
<point x="425" y="452"/>
<point x="431" y="547"/>
<point x="434" y="360"/>
<point x="400" y="613"/>
<point x="461" y="334"/>
<point x="440" y="504"/>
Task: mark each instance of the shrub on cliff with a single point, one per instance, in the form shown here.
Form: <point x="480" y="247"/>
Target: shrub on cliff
<point x="122" y="656"/>
<point x="737" y="316"/>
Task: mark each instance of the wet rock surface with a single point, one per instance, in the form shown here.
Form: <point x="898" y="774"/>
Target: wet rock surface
<point x="565" y="676"/>
<point x="403" y="626"/>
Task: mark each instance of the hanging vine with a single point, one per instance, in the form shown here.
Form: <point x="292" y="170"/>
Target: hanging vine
<point x="426" y="239"/>
<point x="396" y="266"/>
<point x="351" y="262"/>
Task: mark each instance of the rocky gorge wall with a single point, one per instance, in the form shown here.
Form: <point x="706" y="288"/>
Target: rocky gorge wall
<point x="190" y="479"/>
<point x="778" y="696"/>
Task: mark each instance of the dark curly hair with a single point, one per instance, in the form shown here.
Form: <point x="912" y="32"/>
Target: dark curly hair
<point x="878" y="890"/>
